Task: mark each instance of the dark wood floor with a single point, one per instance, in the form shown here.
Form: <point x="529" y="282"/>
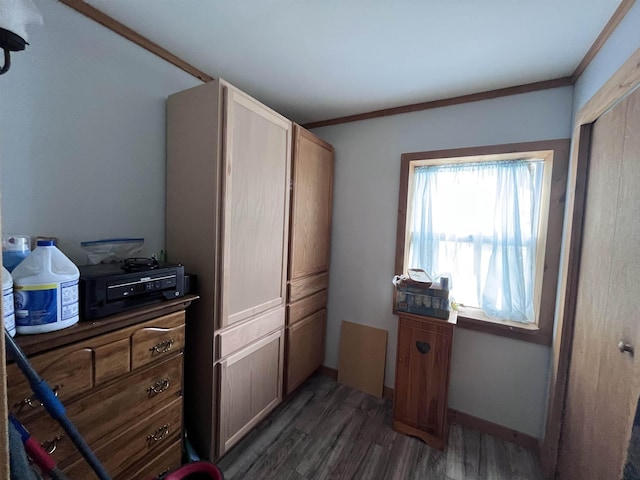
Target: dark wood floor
<point x="327" y="430"/>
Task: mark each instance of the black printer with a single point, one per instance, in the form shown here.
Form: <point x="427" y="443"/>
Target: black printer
<point x="111" y="288"/>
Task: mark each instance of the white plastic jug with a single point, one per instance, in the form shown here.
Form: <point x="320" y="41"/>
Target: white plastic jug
<point x="7" y="302"/>
<point x="45" y="290"/>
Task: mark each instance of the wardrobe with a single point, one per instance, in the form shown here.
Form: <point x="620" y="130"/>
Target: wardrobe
<point x="230" y="186"/>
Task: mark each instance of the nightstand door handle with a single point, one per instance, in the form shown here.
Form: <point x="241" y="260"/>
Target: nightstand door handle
<point x="159" y="387"/>
<point x="423" y="347"/>
<point x="163" y="346"/>
<point x="159" y="434"/>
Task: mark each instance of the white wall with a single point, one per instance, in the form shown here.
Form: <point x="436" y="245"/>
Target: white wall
<point x="495" y="378"/>
<point x="621" y="44"/>
<point x="82" y="134"/>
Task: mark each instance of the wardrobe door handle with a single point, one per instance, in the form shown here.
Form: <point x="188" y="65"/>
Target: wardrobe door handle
<point x="625" y="348"/>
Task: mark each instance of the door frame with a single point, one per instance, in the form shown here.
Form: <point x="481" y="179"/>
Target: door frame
<point x="626" y="79"/>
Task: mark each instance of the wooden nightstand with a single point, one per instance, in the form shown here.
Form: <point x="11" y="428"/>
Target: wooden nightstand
<point x="423" y="359"/>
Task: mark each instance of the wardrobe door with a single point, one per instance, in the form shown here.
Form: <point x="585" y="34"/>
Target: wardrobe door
<point x="311" y="205"/>
<point x="256" y="165"/>
<point x="604" y="375"/>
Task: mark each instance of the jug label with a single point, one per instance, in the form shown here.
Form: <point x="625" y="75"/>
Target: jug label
<point x="70" y="306"/>
<point x="36" y="304"/>
<point x="7" y="302"/>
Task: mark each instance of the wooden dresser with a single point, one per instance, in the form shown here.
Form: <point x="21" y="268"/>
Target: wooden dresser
<point x="120" y="380"/>
<point x="423" y="359"/>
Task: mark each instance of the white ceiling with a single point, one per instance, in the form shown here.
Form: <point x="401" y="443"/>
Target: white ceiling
<point x="319" y="59"/>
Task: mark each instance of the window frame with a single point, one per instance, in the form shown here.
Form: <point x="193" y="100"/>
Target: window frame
<point x="556" y="154"/>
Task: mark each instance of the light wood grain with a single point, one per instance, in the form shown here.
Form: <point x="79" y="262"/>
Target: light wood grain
<point x="193" y="219"/>
<point x="227" y="221"/>
<point x="303" y="287"/>
<point x="362" y="357"/>
<point x="250" y="387"/>
<point x="311" y="204"/>
<point x="305" y="307"/>
<point x="621" y="83"/>
<point x="305" y="349"/>
<point x="605" y="305"/>
<point x="595" y="267"/>
<point x="239" y="336"/>
<point x="256" y="208"/>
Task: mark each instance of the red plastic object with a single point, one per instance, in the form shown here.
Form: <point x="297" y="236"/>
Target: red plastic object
<point x="196" y="471"/>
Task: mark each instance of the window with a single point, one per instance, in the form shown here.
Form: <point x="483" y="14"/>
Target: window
<point x="484" y="215"/>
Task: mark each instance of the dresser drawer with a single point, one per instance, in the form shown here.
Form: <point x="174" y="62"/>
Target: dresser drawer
<point x="105" y="412"/>
<point x="68" y="371"/>
<point x="157" y="339"/>
<point x="155" y="465"/>
<point x="148" y="437"/>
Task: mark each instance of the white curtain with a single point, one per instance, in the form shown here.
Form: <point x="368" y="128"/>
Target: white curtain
<point x="479" y="222"/>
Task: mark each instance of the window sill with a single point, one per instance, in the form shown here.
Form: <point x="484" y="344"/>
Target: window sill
<point x="474" y="319"/>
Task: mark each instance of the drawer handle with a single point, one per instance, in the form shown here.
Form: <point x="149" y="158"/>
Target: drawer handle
<point x="163" y="473"/>
<point x="159" y="434"/>
<point x="51" y="445"/>
<point x="33" y="401"/>
<point x="162" y="347"/>
<point x="158" y="387"/>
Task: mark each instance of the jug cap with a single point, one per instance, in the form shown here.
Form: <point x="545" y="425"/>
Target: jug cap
<point x="16" y="243"/>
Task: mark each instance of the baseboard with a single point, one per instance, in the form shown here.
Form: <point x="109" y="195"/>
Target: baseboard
<point x="493" y="429"/>
<point x="466" y="420"/>
<point x="387" y="392"/>
<point x="328" y="372"/>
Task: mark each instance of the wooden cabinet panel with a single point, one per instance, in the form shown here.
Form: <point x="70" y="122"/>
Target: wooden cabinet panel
<point x="157" y="340"/>
<point x="147" y="437"/>
<point x="234" y="338"/>
<point x="303" y="287"/>
<point x="250" y="387"/>
<point x="310" y="204"/>
<point x="422" y="378"/>
<point x="228" y="191"/>
<point x="256" y="201"/>
<point x="604" y="379"/>
<point x="303" y="308"/>
<point x="305" y="349"/>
